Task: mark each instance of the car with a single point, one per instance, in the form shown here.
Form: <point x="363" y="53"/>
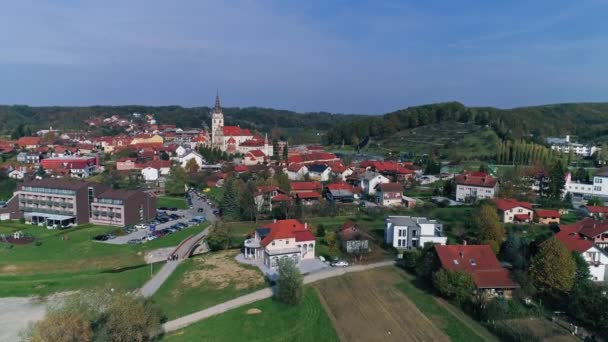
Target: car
<point x="141" y="226"/>
<point x="340" y="263"/>
<point x="101" y="238"/>
<point x="172" y="209"/>
<point x="163" y="208"/>
<point x="150" y="237"/>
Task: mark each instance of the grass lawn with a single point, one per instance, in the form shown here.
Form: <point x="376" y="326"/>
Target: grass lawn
<point x="69" y="259"/>
<point x="529" y="231"/>
<point x="276" y="322"/>
<point x="569" y="218"/>
<point x="214" y="194"/>
<point x="446" y="320"/>
<point x="171" y="202"/>
<point x="206" y="280"/>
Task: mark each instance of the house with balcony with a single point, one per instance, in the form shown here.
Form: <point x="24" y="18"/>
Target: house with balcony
<point x="511" y="210"/>
<point x="280" y="240"/>
<point x="122" y="207"/>
<point x="405" y="232"/>
<point x="472" y="186"/>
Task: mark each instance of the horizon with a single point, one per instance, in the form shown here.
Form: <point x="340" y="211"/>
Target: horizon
<point x="357" y="57"/>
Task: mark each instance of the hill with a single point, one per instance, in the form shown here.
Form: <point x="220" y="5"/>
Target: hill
<point x="588" y="121"/>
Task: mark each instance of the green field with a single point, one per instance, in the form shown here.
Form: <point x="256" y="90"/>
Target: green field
<point x="69" y="259"/>
<point x="204" y="281"/>
<point x="171" y="202"/>
<point x="451" y="321"/>
<point x="276" y="322"/>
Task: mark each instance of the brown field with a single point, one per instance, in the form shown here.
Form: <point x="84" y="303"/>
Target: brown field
<point x="367" y="306"/>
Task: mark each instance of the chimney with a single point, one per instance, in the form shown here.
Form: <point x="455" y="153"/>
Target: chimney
<point x="464" y="242"/>
<point x="274" y="221"/>
<point x="461" y="253"/>
<point x="305" y="225"/>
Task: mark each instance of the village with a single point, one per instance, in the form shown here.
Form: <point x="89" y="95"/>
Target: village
<point x="233" y="193"/>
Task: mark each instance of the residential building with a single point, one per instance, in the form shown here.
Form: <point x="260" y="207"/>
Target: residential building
<point x="296" y="172"/>
<point x="341" y="192"/>
<point x="352" y="240"/>
<point x="546" y="216"/>
<point x="298" y="187"/>
<point x="389" y="194"/>
<point x="405" y="232"/>
<point x="80" y="167"/>
<point x="512" y="210"/>
<point x="596" y="211"/>
<point x="589" y="238"/>
<point x="599" y="188"/>
<point x="564" y="145"/>
<point x="29" y="143"/>
<point x="183" y="160"/>
<point x="254" y="157"/>
<point x="481" y="263"/>
<point x="61" y="203"/>
<point x="281" y="240"/>
<point x="471" y="186"/>
<point x="369" y="180"/>
<point x="266" y="195"/>
<point x="319" y="172"/>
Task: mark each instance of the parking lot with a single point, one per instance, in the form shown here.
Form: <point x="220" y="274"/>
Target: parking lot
<point x="167" y="221"/>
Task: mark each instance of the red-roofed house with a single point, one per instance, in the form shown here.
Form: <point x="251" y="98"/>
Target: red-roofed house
<point x="596" y="210"/>
<point x="29" y="143"/>
<point x="297" y="187"/>
<point x="266" y="195"/>
<point x="546" y="216"/>
<point x="254" y="157"/>
<point x="480" y="262"/>
<point x="389" y="194"/>
<point x="511" y="210"/>
<point x="471" y="186"/>
<point x="580" y="237"/>
<point x="296" y="171"/>
<point x="279" y="240"/>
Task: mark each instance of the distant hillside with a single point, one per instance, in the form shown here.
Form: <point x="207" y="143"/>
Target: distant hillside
<point x="588" y="121"/>
<point x="263" y="119"/>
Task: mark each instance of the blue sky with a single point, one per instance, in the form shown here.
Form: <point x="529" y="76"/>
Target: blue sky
<point x="339" y="56"/>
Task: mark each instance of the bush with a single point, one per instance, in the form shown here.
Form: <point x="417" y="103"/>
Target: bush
<point x="456" y="285"/>
<point x="290" y="285"/>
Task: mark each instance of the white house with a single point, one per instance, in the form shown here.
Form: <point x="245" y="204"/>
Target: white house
<point x="281" y="240"/>
<point x="191" y="155"/>
<point x="180" y="151"/>
<point x="584" y="237"/>
<point x="16" y="174"/>
<point x="296" y="172"/>
<point x="475" y="186"/>
<point x="511" y="210"/>
<point x="150" y="174"/>
<point x="370" y="180"/>
<point x="319" y="172"/>
<point x="599" y="188"/>
<point x="404" y="232"/>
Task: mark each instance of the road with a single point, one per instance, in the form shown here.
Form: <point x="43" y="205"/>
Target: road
<point x="187" y="320"/>
<point x="187" y="214"/>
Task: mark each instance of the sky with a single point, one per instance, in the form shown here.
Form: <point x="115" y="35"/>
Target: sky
<point x="344" y="56"/>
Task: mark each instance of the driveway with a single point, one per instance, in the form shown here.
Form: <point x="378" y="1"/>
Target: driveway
<point x="306" y="266"/>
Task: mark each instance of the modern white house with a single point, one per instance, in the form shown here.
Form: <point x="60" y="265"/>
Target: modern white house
<point x="564" y="145"/>
<point x="405" y="232"/>
<point x="471" y="186"/>
<point x="280" y="240"/>
<point x="599" y="188"/>
<point x="370" y="180"/>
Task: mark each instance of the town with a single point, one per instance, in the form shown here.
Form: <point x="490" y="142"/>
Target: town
<point x="221" y="213"/>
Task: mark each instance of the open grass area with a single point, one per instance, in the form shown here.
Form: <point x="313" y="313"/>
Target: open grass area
<point x="70" y="259"/>
<point x="206" y="280"/>
<point x="274" y="321"/>
<point x="457" y="328"/>
<point x="171" y="202"/>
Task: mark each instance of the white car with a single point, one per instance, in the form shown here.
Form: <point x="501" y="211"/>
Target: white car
<point x="141" y="226"/>
<point x="340" y="263"/>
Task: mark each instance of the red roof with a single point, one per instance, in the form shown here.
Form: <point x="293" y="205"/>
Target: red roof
<point x="159" y="164"/>
<point x="303" y="186"/>
<point x="477" y="260"/>
<point x="312" y="157"/>
<point x="386" y="167"/>
<point x="547" y="213"/>
<point x="295" y="167"/>
<point x="390" y="187"/>
<point x="27" y="141"/>
<point x="339" y="186"/>
<point x="281" y="198"/>
<point x="240" y="168"/>
<point x="231" y="141"/>
<point x="308" y="195"/>
<point x="597" y="209"/>
<point x="504" y="204"/>
<point x="236" y="131"/>
<point x="286" y="229"/>
<point x="256" y="153"/>
<point x="522" y="217"/>
<point x="253" y="143"/>
<point x="569" y="236"/>
<point x="480" y="179"/>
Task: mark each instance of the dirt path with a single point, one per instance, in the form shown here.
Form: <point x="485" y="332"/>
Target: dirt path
<point x="367" y="306"/>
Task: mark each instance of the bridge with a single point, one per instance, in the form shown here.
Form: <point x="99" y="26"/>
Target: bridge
<point x="182" y="252"/>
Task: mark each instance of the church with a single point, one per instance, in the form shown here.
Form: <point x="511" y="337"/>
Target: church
<point x="234" y="139"/>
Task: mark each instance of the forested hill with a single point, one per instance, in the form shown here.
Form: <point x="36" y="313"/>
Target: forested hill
<point x="263" y="119"/>
<point x="588" y="121"/>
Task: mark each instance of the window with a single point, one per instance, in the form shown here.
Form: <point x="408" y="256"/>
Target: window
<point x="597" y="188"/>
<point x="273" y="243"/>
<point x="287" y="242"/>
<point x="414" y="233"/>
<point x="472" y="262"/>
<point x="399" y="243"/>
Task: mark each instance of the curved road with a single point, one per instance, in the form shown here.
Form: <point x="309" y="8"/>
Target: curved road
<point x="187" y="320"/>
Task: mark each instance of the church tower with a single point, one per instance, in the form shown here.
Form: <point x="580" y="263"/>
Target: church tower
<point x="217" y="125"/>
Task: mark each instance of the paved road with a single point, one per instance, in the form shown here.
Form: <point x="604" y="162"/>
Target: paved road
<point x="187" y="320"/>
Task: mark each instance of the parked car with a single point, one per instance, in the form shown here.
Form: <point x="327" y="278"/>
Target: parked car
<point x="340" y="263"/>
<point x="163" y="208"/>
<point x="141" y="226"/>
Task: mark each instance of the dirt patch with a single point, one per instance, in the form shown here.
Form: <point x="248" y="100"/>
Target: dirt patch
<point x="254" y="311"/>
<point x="10" y="269"/>
<point x="220" y="270"/>
<point x="367" y="306"/>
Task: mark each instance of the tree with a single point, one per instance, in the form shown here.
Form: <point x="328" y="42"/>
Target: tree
<point x="290" y="284"/>
<point x="603" y="153"/>
<point x="587" y="304"/>
<point x="582" y="269"/>
<point x="191" y="166"/>
<point x="428" y="262"/>
<point x="488" y="227"/>
<point x="283" y="181"/>
<point x="285" y="152"/>
<point x="61" y="327"/>
<point x="553" y="268"/>
<point x="557" y="181"/>
<point x="129" y="318"/>
<point x="164" y="156"/>
<point x="249" y="209"/>
<point x="331" y="239"/>
<point x="595" y="201"/>
<point x="219" y="236"/>
<point x="40" y="171"/>
<point x="456" y="285"/>
<point x="176" y="181"/>
<point x="512" y="251"/>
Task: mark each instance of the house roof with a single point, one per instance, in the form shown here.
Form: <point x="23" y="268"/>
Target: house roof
<point x="302" y="186"/>
<point x="308" y="195"/>
<point x="236" y="131"/>
<point x="521" y="217"/>
<point x="544" y="213"/>
<point x="256" y="153"/>
<point x="477" y="260"/>
<point x="569" y="236"/>
<point x="390" y="187"/>
<point x="319" y="168"/>
<point x="479" y="179"/>
<point x="285" y="229"/>
<point x="597" y="209"/>
<point x="25" y="141"/>
<point x="504" y="204"/>
<point x="281" y="198"/>
<point x="240" y="168"/>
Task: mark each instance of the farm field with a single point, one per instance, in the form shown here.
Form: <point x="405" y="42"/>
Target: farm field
<point x="205" y="280"/>
<point x="367" y="306"/>
<point x="266" y="320"/>
<point x="171" y="202"/>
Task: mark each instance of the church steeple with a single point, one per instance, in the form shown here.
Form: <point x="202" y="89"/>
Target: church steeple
<point x="218" y="108"/>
